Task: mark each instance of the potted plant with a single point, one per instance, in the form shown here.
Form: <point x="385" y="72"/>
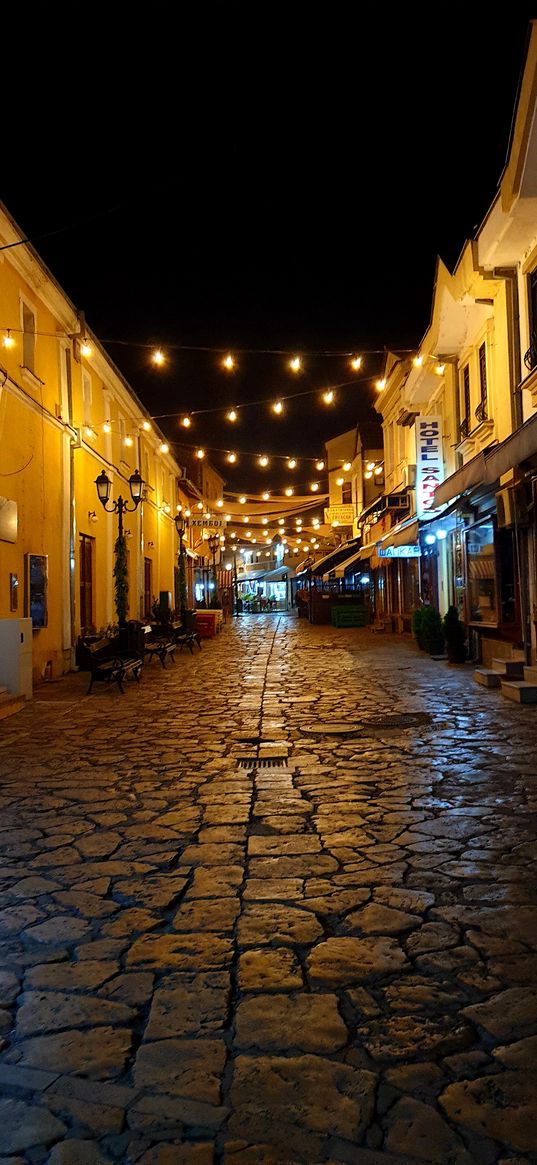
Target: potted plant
<point x="417" y="621"/>
<point x="455" y="633"/>
<point x="432" y="631"/>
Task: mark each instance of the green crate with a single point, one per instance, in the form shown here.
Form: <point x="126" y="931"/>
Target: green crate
<point x="349" y="616"/>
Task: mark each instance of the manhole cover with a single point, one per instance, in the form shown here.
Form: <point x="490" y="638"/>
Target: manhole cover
<point x="373" y="724"/>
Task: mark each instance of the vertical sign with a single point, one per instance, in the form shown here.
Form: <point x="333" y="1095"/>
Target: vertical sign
<point x="429" y="462"/>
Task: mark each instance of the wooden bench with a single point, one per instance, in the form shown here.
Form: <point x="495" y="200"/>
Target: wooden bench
<point x="114" y="671"/>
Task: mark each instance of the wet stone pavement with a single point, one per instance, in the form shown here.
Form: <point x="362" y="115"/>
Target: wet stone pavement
<point x="248" y="917"/>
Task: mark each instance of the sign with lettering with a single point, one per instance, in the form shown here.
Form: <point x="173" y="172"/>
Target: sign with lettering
<point x="398" y="551"/>
<point x="343" y="515"/>
<point x="429" y="462"/>
<point x="207" y="523"/>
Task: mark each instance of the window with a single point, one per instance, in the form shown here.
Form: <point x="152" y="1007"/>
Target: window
<point x="86" y="398"/>
<point x="28" y="337"/>
<point x="481" y="411"/>
<point x="86" y="584"/>
<point x="346" y="493"/>
<point x="481" y="561"/>
<point x="466" y="405"/>
<point x="148" y="588"/>
<point x="66" y="384"/>
<point x="530" y="358"/>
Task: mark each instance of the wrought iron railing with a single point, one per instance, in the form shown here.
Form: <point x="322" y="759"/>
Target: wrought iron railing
<point x="530" y="359"/>
<point x="464" y="428"/>
<point x="481" y="411"/>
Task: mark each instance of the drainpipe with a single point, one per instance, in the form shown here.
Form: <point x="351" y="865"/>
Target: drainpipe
<point x="510" y="277"/>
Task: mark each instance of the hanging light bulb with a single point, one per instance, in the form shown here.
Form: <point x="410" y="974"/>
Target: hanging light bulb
<point x="440" y="369"/>
<point x="246" y="519"/>
<point x="380" y="384"/>
<point x="146" y="426"/>
<point x="242" y="500"/>
<point x="232" y="457"/>
<point x="281" y="521"/>
<point x="291" y="464"/>
<point x="289" y="492"/>
<point x="328" y="397"/>
<point x="278" y="407"/>
<point x="314" y="487"/>
<point x="263" y="460"/>
<point x="8" y="341"/>
<point x="188" y="513"/>
<point x="265" y="496"/>
<point x="370" y="465"/>
<point x="378" y="469"/>
<point x="229" y="362"/>
<point x="158" y="357"/>
<point x="200" y="454"/>
<point x="220" y="503"/>
<point x="347" y="466"/>
<point x="319" y="465"/>
<point x="417" y="361"/>
<point x="85" y="349"/>
<point x="232" y="415"/>
<point x="107" y="428"/>
<point x="248" y="533"/>
<point x="227" y="517"/>
<point x="356" y="363"/>
<point x="316" y="523"/>
<point x="129" y="443"/>
<point x="264" y="522"/>
<point x="186" y="422"/>
<point x="340" y="480"/>
<point x="295" y="364"/>
<point x="200" y="505"/>
<point x="368" y="474"/>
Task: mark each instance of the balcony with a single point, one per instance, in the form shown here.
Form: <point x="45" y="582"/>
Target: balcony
<point x="472" y="441"/>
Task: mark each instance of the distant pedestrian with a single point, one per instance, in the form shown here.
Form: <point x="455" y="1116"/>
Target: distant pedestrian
<point x="226" y="604"/>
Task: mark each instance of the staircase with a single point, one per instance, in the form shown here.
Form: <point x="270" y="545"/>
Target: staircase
<point x="9" y="703"/>
<point x="516" y="680"/>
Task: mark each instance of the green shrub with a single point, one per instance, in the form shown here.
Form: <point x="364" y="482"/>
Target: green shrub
<point x="455" y="633"/>
<point x="432" y="631"/>
<point x="417" y="624"/>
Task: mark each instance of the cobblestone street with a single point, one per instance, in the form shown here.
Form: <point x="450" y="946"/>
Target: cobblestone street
<point x="275" y="905"/>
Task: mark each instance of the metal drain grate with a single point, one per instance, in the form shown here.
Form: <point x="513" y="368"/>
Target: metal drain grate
<point x="256" y="763"/>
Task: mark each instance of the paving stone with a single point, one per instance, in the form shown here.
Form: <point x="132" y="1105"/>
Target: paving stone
<point x="183" y="952"/>
<point x="24" y="1125"/>
<point x="76" y="1152"/>
<point x="192" y="1006"/>
<point x="60" y="929"/>
<point x="294" y="1103"/>
<point x="101" y="1053"/>
<point x="157" y="1116"/>
<point x="508" y="1015"/>
<point x="309" y="1023"/>
<point x="502" y="1107"/>
<point x="264" y="923"/>
<point x="406" y="1037"/>
<point x="379" y="919"/>
<point x="520" y="1055"/>
<point x="41" y="1011"/>
<point x="269" y="970"/>
<point x="179" y="1154"/>
<point x="69" y="976"/>
<point x="100" y="1119"/>
<point x="133" y="989"/>
<point x="9" y="988"/>
<point x="202" y="914"/>
<point x="188" y="1068"/>
<point x="351" y="960"/>
<point x="418" y="1130"/>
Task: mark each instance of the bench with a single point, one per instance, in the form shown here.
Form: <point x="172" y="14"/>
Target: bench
<point x="106" y="663"/>
<point x="162" y="649"/>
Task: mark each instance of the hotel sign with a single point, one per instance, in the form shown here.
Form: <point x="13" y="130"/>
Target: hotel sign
<point x="343" y="515"/>
<point x="429" y="462"/>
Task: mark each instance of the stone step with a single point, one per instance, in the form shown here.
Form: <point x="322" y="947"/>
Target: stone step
<point x="512" y="669"/>
<point x="530" y="675"/>
<point x="487" y="677"/>
<point x="520" y="691"/>
<point x="10" y="704"/>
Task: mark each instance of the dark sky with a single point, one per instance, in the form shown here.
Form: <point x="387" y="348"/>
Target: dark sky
<point x="264" y="176"/>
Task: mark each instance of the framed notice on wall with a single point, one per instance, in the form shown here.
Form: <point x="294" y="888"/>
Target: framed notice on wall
<point x="36" y="589"/>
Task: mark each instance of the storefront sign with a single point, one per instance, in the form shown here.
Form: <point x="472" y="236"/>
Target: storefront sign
<point x="429" y="462"/>
<point x="207" y="523"/>
<point x="398" y="551"/>
<point x="344" y="515"/>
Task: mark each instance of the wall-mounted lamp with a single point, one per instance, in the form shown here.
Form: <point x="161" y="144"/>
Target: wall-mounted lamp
<point x="150" y="545"/>
<point x="92" y="516"/>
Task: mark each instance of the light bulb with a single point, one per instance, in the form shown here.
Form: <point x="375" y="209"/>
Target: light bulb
<point x="314" y="487"/>
<point x="200" y="505"/>
<point x="186" y="422"/>
<point x="264" y="461"/>
<point x="227" y="517"/>
<point x="346" y="466"/>
<point x="107" y="428"/>
<point x="319" y="465"/>
<point x="164" y="448"/>
<point x="266" y="496"/>
<point x="158" y="357"/>
<point x="295" y="364"/>
<point x="370" y="465"/>
<point x="220" y="503"/>
<point x="440" y="369"/>
<point x="281" y="521"/>
<point x="335" y="523"/>
<point x="289" y="492"/>
<point x="232" y="415"/>
<point x="417" y="361"/>
<point x="188" y="513"/>
<point x="380" y="384"/>
<point x="242" y="500"/>
<point x="277" y="407"/>
<point x="368" y="474"/>
<point x="167" y="508"/>
<point x="229" y="362"/>
<point x="291" y="464"/>
<point x="85" y="349"/>
<point x="265" y="522"/>
<point x="316" y="522"/>
<point x="441" y="534"/>
<point x="246" y="519"/>
<point x="200" y="454"/>
<point x="146" y="427"/>
<point x="232" y="457"/>
<point x="129" y="442"/>
<point x="89" y="433"/>
<point x="305" y="548"/>
<point x="356" y="363"/>
<point x="179" y="507"/>
<point x="340" y="480"/>
<point x="378" y="469"/>
<point x="328" y="397"/>
<point x="8" y="340"/>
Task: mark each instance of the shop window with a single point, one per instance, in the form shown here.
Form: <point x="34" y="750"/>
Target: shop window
<point x="508" y="589"/>
<point x="482" y="580"/>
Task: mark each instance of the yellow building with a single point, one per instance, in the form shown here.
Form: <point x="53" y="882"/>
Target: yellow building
<point x="67" y="414"/>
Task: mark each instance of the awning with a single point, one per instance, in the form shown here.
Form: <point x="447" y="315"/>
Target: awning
<point x="190" y="553"/>
<point x="473" y="473"/>
<point x="518" y="447"/>
<point x="348" y="562"/>
<point x="404" y="534"/>
<point x="275" y="575"/>
<point x="330" y="561"/>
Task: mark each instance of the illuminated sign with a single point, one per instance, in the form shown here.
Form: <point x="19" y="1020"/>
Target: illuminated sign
<point x="429" y="462"/>
<point x="398" y="551"/>
<point x="344" y="515"/>
<point x="207" y="523"/>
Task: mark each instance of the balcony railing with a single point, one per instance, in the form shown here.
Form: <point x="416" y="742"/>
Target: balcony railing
<point x="481" y="411"/>
<point x="530" y="359"/>
<point x="464" y="428"/>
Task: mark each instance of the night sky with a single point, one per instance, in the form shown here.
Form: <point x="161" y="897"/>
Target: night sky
<point x="264" y="177"/>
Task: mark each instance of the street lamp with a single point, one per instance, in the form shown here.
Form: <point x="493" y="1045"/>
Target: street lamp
<point x="214" y="543"/>
<point x="119" y="507"/>
<point x="180" y="525"/>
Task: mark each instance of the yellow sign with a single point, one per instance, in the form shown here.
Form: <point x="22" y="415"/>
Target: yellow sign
<point x="343" y="515"/>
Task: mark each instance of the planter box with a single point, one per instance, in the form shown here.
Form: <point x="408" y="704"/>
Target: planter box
<point x="208" y="623"/>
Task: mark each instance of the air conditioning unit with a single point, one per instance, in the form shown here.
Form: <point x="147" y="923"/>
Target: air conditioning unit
<point x="409" y="476"/>
<point x="512" y="507"/>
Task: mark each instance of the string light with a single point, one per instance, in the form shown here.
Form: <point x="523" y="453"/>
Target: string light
<point x="281" y="521"/>
<point x="232" y="457"/>
<point x="380" y="384"/>
<point x="289" y="492"/>
<point x="356" y="363"/>
<point x="347" y="466"/>
<point x="295" y="364"/>
<point x="417" y="361"/>
<point x="220" y="503"/>
<point x="265" y="522"/>
<point x="291" y="464"/>
<point x="263" y="461"/>
<point x="158" y="357"/>
<point x="129" y="443"/>
<point x="232" y="415"/>
<point x="188" y="513"/>
<point x="314" y="486"/>
<point x="278" y="407"/>
<point x="246" y="519"/>
<point x="340" y="480"/>
<point x="146" y="427"/>
<point x="186" y="422"/>
<point x="440" y="369"/>
<point x="265" y="496"/>
<point x="200" y="454"/>
<point x="242" y="500"/>
<point x="328" y="397"/>
<point x="368" y="474"/>
<point x="370" y="465"/>
<point x="228" y="362"/>
<point x="378" y="469"/>
<point x="107" y="428"/>
<point x="200" y="505"/>
<point x="8" y="341"/>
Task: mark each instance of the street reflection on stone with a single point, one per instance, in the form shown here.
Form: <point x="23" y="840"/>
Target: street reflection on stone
<point x="334" y="946"/>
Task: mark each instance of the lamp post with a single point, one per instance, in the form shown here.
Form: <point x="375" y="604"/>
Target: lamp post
<point x="180" y="525"/>
<point x="119" y="507"/>
<point x="214" y="543"/>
